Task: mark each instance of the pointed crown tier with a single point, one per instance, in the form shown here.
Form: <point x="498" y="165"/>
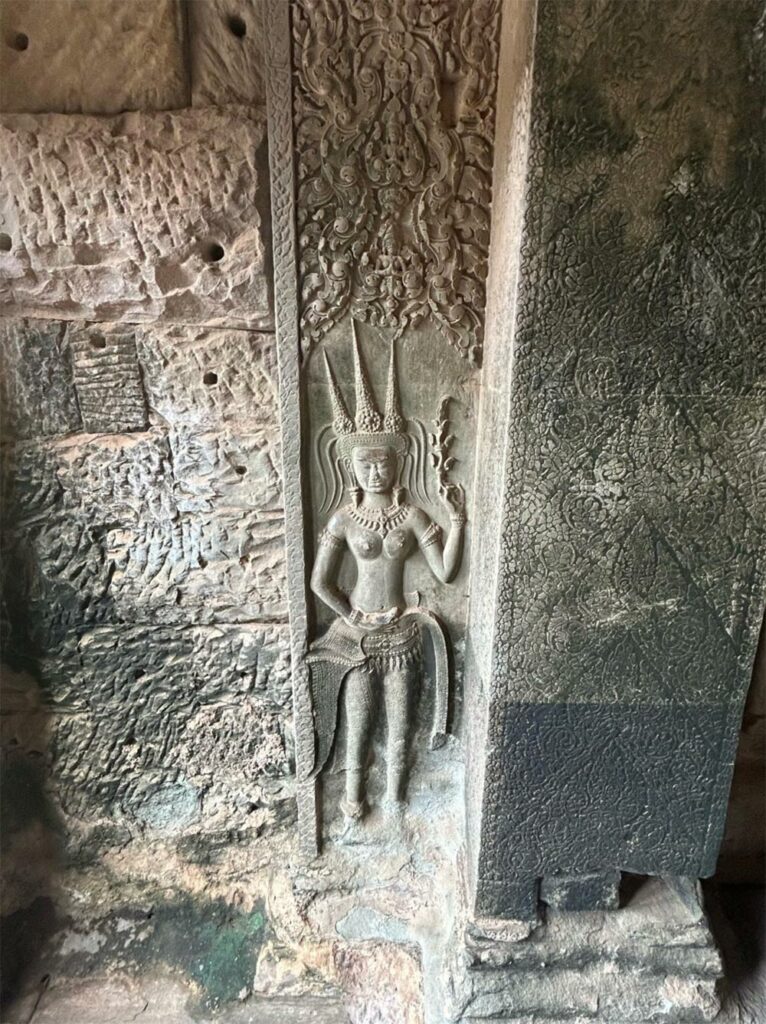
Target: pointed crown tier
<point x="368" y="427"/>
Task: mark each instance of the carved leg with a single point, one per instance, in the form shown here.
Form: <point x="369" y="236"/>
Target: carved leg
<point x="396" y="691"/>
<point x="358" y="699"/>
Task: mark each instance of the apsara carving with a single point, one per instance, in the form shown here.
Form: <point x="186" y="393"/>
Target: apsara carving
<point x="371" y="653"/>
<point x="394" y="127"/>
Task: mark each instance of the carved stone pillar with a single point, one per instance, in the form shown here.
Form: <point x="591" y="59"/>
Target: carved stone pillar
<point x="618" y="569"/>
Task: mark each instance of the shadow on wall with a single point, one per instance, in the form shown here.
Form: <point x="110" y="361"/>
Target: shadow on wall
<point x="743" y="852"/>
<point x="736" y="896"/>
<point x="31" y="842"/>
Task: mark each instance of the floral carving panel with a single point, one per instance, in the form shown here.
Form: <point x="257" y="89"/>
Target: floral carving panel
<point x="393" y="104"/>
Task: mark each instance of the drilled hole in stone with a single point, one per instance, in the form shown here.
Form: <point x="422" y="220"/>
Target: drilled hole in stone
<point x="139" y="673"/>
<point x="237" y="26"/>
<point x="240" y="470"/>
<point x="97" y="341"/>
<point x="5" y="242"/>
<point x="19" y="41"/>
<point x="214" y="252"/>
<point x="201" y="562"/>
<point x="210" y="378"/>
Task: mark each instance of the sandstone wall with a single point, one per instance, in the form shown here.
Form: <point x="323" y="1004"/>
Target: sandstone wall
<point x="146" y="679"/>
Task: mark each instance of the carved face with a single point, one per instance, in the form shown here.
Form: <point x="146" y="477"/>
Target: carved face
<point x="374" y="468"/>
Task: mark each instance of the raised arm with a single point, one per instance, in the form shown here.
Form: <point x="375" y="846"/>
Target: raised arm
<point x="332" y="542"/>
<point x="443" y="561"/>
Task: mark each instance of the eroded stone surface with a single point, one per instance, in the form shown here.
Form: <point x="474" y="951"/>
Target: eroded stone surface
<point x="107" y="379"/>
<point x="159" y="728"/>
<point x="209" y="379"/>
<point x="98" y="230"/>
<point x="226" y="52"/>
<point x="143" y="527"/>
<point x="652" y="959"/>
<point x="92" y="56"/>
<point x="37" y="395"/>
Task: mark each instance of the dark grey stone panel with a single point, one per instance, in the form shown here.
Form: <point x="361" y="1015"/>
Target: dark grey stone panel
<point x="625" y="786"/>
<point x="631" y="579"/>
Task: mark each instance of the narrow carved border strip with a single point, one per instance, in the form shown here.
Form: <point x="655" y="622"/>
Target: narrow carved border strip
<point x="282" y="173"/>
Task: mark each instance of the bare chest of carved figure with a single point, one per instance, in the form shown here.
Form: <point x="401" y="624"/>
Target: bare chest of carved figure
<point x="371" y="545"/>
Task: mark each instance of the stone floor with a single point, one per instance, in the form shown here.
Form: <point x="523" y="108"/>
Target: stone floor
<point x="553" y="976"/>
<point x="157" y="999"/>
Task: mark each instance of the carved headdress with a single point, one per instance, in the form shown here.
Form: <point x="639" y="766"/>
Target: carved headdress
<point x="368" y="428"/>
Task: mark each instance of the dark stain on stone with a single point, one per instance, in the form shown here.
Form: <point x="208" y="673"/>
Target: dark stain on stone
<point x="212" y="943"/>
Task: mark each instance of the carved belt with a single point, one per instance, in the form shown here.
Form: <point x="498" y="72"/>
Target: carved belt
<point x="343" y="648"/>
<point x="427" y="620"/>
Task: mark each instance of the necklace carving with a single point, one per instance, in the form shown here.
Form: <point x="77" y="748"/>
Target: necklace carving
<point x="380" y="520"/>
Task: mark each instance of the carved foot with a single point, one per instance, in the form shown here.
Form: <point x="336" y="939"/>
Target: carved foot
<point x="353" y="810"/>
<point x="393" y="807"/>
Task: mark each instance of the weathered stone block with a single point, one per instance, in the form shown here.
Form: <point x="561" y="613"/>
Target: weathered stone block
<point x="225" y="471"/>
<point x="158" y="724"/>
<point x="651" y="960"/>
<point x="96" y="228"/>
<point x="226" y="52"/>
<point x="37" y="394"/>
<point x="206" y="379"/>
<point x="92" y="56"/>
<point x="142" y="527"/>
<point x="107" y="378"/>
<point x="599" y="891"/>
<point x="381" y="981"/>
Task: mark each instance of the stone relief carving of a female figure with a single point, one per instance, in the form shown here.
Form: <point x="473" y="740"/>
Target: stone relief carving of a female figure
<point x="371" y="653"/>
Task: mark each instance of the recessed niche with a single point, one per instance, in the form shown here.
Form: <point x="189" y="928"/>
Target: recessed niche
<point x="6" y="242"/>
<point x="18" y="41"/>
<point x="210" y="378"/>
<point x="213" y="252"/>
<point x="97" y="341"/>
<point x="237" y="26"/>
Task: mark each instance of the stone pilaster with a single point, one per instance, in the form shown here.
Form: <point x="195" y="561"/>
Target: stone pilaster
<point x="613" y="634"/>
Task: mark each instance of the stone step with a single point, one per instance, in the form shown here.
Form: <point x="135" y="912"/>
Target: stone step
<point x="598" y="993"/>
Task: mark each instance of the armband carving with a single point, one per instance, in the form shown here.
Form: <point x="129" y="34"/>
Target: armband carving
<point x="432" y="536"/>
<point x="330" y="540"/>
